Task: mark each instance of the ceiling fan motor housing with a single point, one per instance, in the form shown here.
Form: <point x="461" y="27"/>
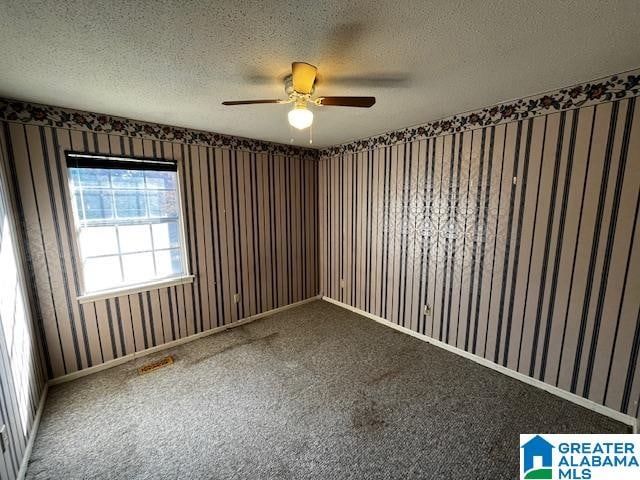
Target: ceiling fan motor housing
<point x="288" y="87"/>
<point x="300" y="87"/>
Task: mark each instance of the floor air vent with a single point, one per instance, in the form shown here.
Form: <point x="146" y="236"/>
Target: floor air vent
<point x="150" y="367"/>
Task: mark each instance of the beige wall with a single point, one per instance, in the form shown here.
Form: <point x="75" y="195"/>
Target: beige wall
<point x="514" y="226"/>
<point x="250" y="221"/>
<point x="519" y="237"/>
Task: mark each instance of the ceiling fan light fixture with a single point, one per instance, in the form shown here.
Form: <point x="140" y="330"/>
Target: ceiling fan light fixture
<point x="300" y="88"/>
<point x="300" y="117"/>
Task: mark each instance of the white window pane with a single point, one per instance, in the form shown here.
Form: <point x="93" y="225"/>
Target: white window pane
<point x="169" y="262"/>
<point x="166" y="235"/>
<point x="102" y="273"/>
<point x="94" y="204"/>
<point x="89" y="177"/>
<point x="127" y="178"/>
<point x="134" y="238"/>
<point x="163" y="203"/>
<point x="165" y="180"/>
<point x="138" y="267"/>
<point x="129" y="229"/>
<point x="130" y="203"/>
<point x="96" y="241"/>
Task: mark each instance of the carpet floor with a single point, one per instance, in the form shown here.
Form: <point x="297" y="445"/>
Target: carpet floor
<point x="312" y="392"/>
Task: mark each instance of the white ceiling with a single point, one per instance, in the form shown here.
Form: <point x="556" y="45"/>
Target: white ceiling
<point x="174" y="61"/>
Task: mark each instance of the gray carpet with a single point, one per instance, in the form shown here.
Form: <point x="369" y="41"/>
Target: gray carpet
<point x="313" y="392"/>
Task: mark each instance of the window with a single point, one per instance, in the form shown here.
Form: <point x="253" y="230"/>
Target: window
<point x="128" y="220"/>
<point x="15" y="319"/>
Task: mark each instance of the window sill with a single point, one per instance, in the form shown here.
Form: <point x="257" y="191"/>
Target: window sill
<point x="131" y="289"/>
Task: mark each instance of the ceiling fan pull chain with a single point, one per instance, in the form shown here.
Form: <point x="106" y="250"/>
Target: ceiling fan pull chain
<point x="311" y="134"/>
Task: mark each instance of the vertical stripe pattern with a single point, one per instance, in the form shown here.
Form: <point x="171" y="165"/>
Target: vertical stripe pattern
<point x="249" y="230"/>
<point x="515" y="242"/>
<point x="23" y="372"/>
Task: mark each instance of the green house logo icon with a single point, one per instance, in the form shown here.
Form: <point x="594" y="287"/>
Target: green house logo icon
<point x="537" y="461"/>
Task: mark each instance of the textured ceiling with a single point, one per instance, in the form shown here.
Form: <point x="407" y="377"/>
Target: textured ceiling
<point x="174" y="61"/>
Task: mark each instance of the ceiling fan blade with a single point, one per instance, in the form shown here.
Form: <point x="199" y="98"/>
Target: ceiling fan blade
<point x="304" y="76"/>
<point x="363" y="102"/>
<point x="373" y="80"/>
<point x="251" y="102"/>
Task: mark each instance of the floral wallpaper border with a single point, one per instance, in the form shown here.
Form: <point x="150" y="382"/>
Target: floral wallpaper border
<point x="607" y="89"/>
<point x="25" y="112"/>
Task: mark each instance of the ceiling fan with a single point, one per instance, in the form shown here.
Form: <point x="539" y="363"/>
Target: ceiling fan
<point x="300" y="86"/>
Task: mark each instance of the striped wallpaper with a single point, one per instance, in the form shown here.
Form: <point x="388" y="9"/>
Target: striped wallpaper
<point x="251" y="228"/>
<point x="516" y="242"/>
<point x="22" y="373"/>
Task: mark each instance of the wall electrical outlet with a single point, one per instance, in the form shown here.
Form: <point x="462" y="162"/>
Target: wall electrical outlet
<point x="342" y="283"/>
<point x="236" y="298"/>
<point x="4" y="438"/>
<point x="427" y="310"/>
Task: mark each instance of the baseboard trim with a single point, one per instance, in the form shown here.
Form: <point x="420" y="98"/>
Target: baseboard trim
<point x="583" y="402"/>
<point x="24" y="464"/>
<point x="165" y="346"/>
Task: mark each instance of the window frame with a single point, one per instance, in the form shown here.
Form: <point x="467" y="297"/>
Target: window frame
<point x="19" y="256"/>
<point x="85" y="296"/>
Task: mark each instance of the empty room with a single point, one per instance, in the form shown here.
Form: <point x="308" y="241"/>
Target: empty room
<point x="319" y="240"/>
